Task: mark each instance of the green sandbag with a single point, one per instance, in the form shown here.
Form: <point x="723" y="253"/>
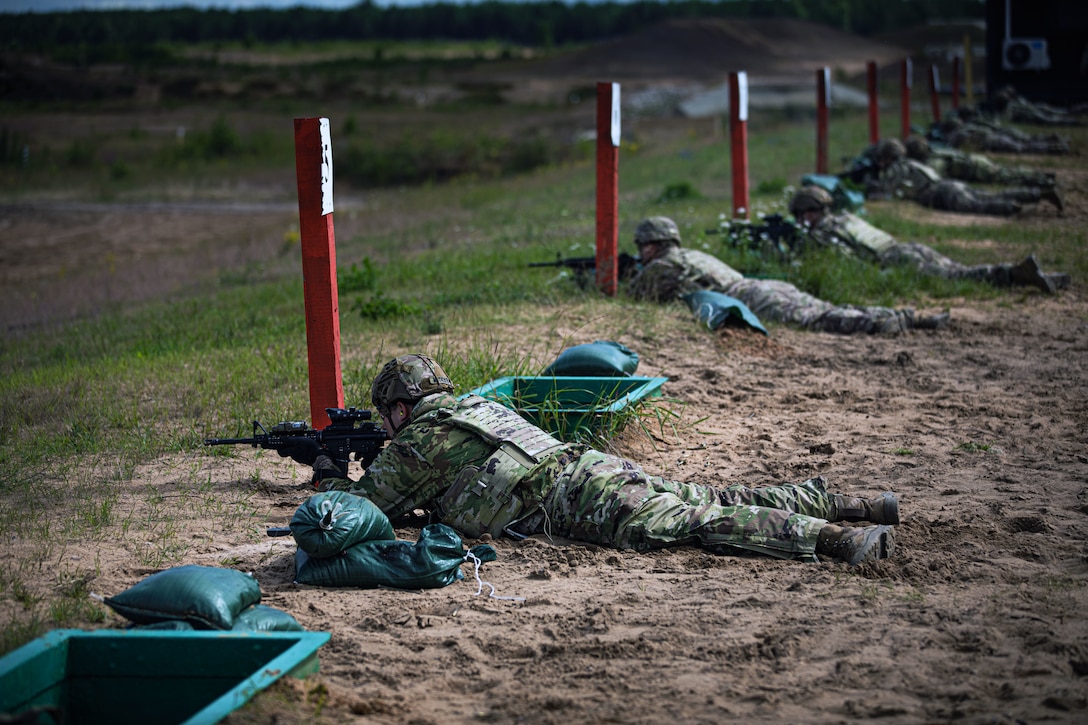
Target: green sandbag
<point x="431" y="562"/>
<point x="597" y="359"/>
<point x="842" y="197"/>
<point x="261" y="618"/>
<point x="333" y="521"/>
<point x="205" y="596"/>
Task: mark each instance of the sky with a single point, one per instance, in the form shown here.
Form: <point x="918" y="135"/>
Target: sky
<point x="44" y="6"/>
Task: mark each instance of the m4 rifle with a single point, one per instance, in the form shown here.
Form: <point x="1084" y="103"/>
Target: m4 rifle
<point x="585" y="267"/>
<point x="350" y="435"/>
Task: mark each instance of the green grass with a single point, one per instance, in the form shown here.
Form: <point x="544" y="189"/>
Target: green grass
<point x="83" y="404"/>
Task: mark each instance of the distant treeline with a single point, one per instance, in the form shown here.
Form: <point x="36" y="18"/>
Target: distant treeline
<point x="540" y="24"/>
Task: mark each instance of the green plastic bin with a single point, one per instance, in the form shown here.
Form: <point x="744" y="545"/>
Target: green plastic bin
<point x="568" y="406"/>
<point x="74" y="676"/>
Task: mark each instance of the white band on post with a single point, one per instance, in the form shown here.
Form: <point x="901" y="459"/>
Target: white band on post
<point x="326" y="167"/>
<point x="615" y="115"/>
<point x="742" y="96"/>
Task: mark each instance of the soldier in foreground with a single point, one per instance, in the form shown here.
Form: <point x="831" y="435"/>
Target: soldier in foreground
<point x="669" y="271"/>
<point x="480" y="468"/>
<point x="811" y="207"/>
<point x="900" y="177"/>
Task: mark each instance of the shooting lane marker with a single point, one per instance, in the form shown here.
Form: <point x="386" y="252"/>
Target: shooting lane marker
<point x="608" y="206"/>
<point x="934" y="91"/>
<point x="823" y="102"/>
<point x="906" y="75"/>
<point x="874" y="102"/>
<point x="955" y="82"/>
<point x="313" y="169"/>
<point x="738" y="141"/>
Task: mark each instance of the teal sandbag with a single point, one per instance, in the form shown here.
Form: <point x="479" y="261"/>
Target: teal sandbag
<point x="207" y="597"/>
<point x="842" y="197"/>
<point x="597" y="359"/>
<point x="261" y="618"/>
<point x="333" y="521"/>
<point x="432" y="562"/>
<point x="715" y="309"/>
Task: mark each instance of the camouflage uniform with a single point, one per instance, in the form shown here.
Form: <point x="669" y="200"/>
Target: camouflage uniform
<point x="441" y="463"/>
<point x="846" y="231"/>
<point x="687" y="270"/>
<point x="1018" y="109"/>
<point x="955" y="164"/>
<point x="979" y="134"/>
<point x="910" y="179"/>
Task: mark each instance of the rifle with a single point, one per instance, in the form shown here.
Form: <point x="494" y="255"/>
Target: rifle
<point x="775" y="234"/>
<point x="583" y="266"/>
<point x="351" y="431"/>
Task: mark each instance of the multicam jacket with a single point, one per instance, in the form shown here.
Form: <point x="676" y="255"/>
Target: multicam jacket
<point x="686" y="270"/>
<point x="847" y="231"/>
<point x="474" y="462"/>
<point x="572" y="491"/>
<point x="956" y="164"/>
<point x="681" y="271"/>
<point x="905" y="179"/>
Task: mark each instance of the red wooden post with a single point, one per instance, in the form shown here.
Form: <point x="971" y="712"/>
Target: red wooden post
<point x="313" y="169"/>
<point x="955" y="81"/>
<point x="905" y="79"/>
<point x="608" y="205"/>
<point x="823" y="101"/>
<point x="738" y="137"/>
<point x="874" y="103"/>
<point x="935" y="92"/>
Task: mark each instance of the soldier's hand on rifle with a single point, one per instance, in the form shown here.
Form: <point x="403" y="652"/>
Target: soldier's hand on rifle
<point x="302" y="449"/>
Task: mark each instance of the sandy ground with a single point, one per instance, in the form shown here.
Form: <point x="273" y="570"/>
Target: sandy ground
<point x="978" y="618"/>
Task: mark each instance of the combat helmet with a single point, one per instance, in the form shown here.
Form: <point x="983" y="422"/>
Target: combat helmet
<point x="658" y="229"/>
<point x="890" y="149"/>
<point x="810" y="198"/>
<point x="408" y="378"/>
<point x="917" y="147"/>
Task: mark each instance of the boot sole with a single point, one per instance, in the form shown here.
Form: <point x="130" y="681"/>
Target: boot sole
<point x="879" y="543"/>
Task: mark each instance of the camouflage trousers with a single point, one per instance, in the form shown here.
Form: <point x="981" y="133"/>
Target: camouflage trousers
<point x="772" y="299"/>
<point x="957" y="196"/>
<point x="982" y="170"/>
<point x="607" y="500"/>
<point x="931" y="262"/>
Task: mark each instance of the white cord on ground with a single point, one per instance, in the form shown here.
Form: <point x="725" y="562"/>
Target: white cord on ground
<point x="480" y="583"/>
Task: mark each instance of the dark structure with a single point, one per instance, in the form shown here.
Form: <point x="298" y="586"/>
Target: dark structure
<point x="1040" y="47"/>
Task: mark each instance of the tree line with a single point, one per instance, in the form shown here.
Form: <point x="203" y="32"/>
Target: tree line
<point x="539" y="24"/>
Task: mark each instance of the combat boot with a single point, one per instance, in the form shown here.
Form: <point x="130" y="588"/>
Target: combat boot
<point x="856" y="544"/>
<point x="1061" y="280"/>
<point x="932" y="322"/>
<point x="1029" y="273"/>
<point x="1054" y="196"/>
<point x="884" y="509"/>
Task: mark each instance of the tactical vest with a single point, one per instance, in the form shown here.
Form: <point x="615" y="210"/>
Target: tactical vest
<point x="485" y="499"/>
<point x="703" y="271"/>
<point x="861" y="236"/>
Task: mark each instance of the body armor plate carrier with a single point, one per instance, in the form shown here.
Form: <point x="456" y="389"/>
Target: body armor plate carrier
<point x="484" y="499"/>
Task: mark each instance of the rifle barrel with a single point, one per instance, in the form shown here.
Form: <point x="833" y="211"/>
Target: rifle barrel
<point x="229" y="441"/>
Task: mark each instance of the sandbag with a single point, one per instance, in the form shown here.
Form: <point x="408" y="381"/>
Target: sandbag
<point x="432" y="562"/>
<point x="597" y="359"/>
<point x="715" y="309"/>
<point x="843" y="198"/>
<point x="204" y="596"/>
<point x="330" y="522"/>
<point x="261" y="618"/>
